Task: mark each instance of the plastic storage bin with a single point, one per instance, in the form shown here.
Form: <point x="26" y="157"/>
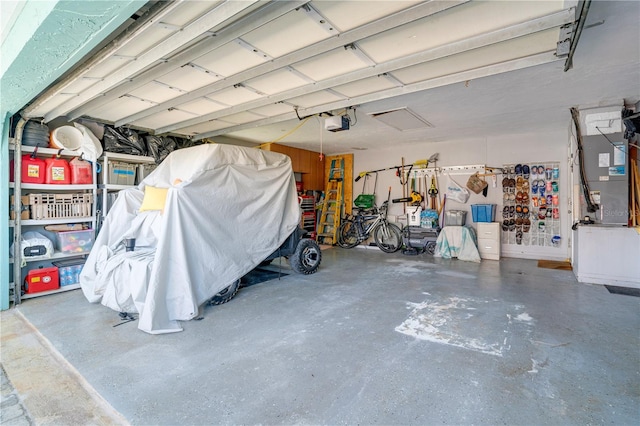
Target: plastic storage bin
<point x="69" y="271"/>
<point x="483" y="212"/>
<point x="74" y="241"/>
<point x="60" y="206"/>
<point x="364" y="201"/>
<point x="121" y="173"/>
<point x="455" y="218"/>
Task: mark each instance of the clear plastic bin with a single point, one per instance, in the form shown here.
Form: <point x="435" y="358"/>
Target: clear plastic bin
<point x="455" y="218"/>
<point x="121" y="173"/>
<point x="75" y="241"/>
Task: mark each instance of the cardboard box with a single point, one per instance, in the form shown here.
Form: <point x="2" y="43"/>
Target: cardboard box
<point x="24" y="214"/>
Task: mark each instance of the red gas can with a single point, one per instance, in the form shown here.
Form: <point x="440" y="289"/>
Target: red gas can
<point x="41" y="279"/>
<point x="33" y="169"/>
<point x="81" y="172"/>
<point x="57" y="171"/>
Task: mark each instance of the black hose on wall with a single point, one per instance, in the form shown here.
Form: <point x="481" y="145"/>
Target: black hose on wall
<point x="591" y="207"/>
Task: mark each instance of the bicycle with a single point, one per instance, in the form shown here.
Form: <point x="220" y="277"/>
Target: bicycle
<point x="359" y="227"/>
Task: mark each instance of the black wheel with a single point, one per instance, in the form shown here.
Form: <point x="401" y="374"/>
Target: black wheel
<point x="306" y="259"/>
<point x="347" y="235"/>
<point x="225" y="295"/>
<point x="388" y="237"/>
<point x="431" y="247"/>
<point x="266" y="262"/>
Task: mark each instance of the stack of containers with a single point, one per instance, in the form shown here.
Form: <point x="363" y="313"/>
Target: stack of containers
<point x="69" y="271"/>
<point x="35" y="134"/>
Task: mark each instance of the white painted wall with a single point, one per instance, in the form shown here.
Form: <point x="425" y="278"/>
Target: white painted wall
<point x="491" y="151"/>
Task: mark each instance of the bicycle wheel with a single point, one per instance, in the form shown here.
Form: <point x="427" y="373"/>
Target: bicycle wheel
<point x="348" y="235"/>
<point x="388" y="237"/>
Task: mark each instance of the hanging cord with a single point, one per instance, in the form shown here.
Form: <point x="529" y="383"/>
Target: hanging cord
<point x="304" y="120"/>
<point x="591" y="207"/>
<point x="618" y="147"/>
<point x="355" y="117"/>
<point x="321" y="133"/>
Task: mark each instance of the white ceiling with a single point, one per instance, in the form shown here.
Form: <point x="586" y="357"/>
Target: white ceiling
<point x="230" y="69"/>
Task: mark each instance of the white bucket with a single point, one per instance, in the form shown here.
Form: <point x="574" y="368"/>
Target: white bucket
<point x="414" y="215"/>
<point x="66" y="137"/>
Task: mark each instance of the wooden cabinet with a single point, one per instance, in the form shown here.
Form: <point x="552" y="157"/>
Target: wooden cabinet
<point x="314" y="180"/>
<point x="489" y="240"/>
<point x="305" y="162"/>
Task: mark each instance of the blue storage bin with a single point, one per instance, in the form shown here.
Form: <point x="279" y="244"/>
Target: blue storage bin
<point x="483" y="212"/>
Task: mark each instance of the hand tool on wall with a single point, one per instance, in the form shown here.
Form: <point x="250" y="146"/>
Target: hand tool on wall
<point x="433" y="192"/>
<point x="403" y="180"/>
<point x="414" y="199"/>
<point x="400" y="169"/>
<point x="441" y="211"/>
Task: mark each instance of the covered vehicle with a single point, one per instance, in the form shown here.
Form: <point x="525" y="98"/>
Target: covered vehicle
<point x="201" y="220"/>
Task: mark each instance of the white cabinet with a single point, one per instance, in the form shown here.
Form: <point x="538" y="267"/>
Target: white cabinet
<point x="489" y="240"/>
<point x="50" y="204"/>
<point x="607" y="255"/>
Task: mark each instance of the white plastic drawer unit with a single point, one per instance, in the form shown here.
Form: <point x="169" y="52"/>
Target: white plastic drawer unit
<point x="489" y="230"/>
<point x="489" y="240"/>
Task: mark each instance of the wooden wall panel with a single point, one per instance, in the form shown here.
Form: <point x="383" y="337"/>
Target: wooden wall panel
<point x="303" y="161"/>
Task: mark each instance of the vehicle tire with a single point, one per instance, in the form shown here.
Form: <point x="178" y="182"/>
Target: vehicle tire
<point x="266" y="262"/>
<point x="388" y="238"/>
<point x="226" y="294"/>
<point x="347" y="235"/>
<point x="431" y="248"/>
<point x="307" y="257"/>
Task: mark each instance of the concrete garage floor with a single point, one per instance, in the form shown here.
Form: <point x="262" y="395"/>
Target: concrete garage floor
<point x="372" y="338"/>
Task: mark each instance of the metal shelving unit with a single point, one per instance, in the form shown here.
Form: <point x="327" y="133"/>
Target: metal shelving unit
<point x="21" y="264"/>
<point x="57" y="255"/>
<point x="308" y="218"/>
<point x="46" y="293"/>
<point x="106" y="187"/>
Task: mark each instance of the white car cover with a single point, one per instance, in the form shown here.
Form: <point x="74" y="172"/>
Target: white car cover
<point x="227" y="209"/>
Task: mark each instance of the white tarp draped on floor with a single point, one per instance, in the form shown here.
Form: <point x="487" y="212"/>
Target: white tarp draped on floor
<point x="227" y="208"/>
